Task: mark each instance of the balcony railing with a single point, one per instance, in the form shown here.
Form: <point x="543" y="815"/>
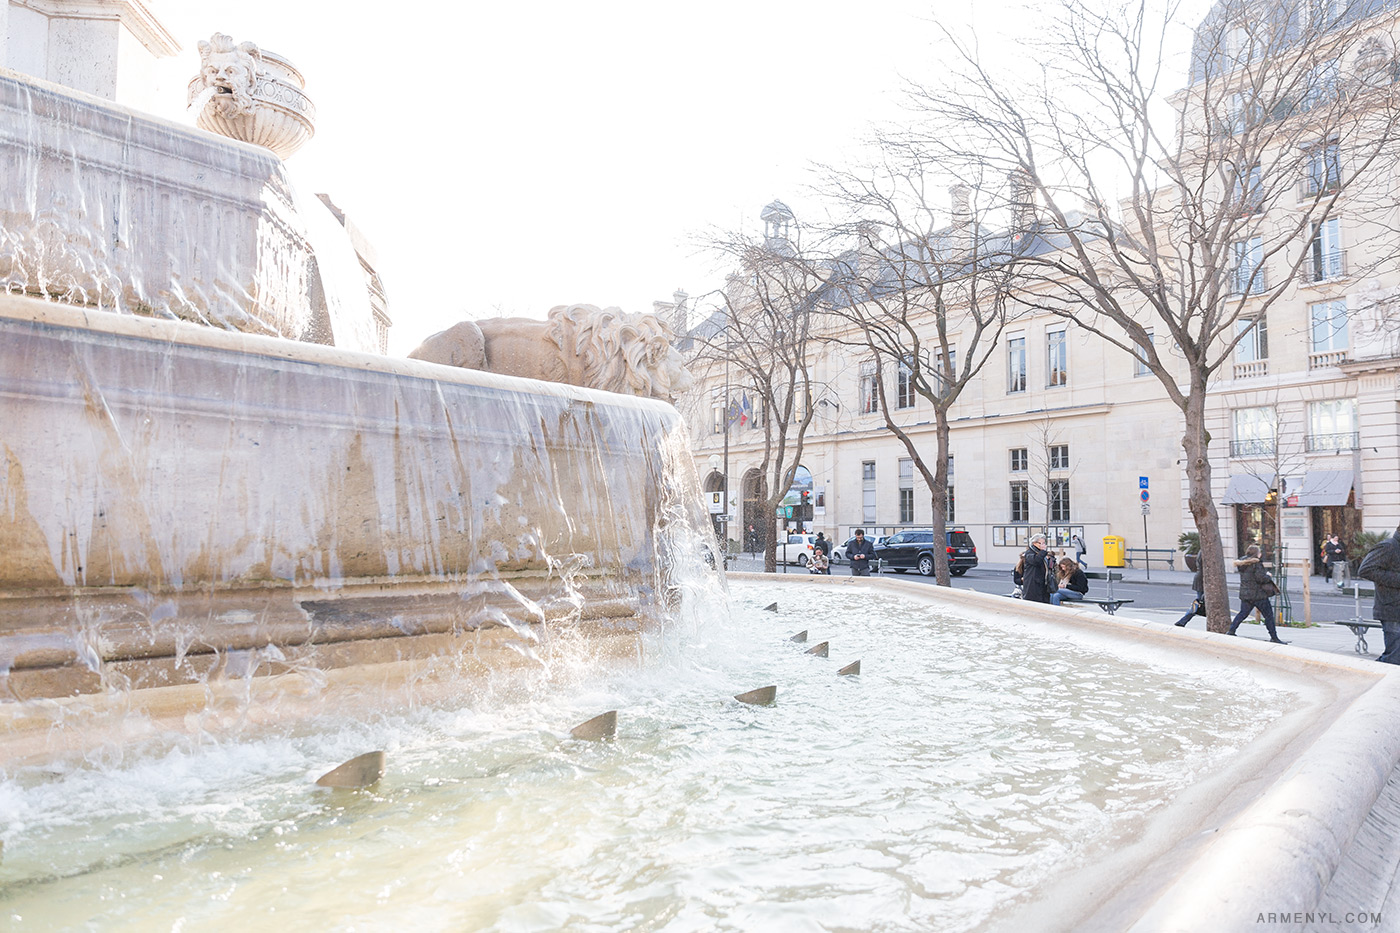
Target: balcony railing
<point x="1326" y="358"/>
<point x="1248" y="280"/>
<point x="1313" y="185"/>
<point x="1323" y="268"/>
<point x="1253" y="447"/>
<point x="1342" y="441"/>
<point x="1252" y="370"/>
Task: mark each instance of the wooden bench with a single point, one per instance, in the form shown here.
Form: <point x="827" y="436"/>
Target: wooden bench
<point x="1358" y="628"/>
<point x="1148" y="555"/>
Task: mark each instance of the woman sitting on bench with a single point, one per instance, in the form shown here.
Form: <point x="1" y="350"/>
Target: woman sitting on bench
<point x="1074" y="586"/>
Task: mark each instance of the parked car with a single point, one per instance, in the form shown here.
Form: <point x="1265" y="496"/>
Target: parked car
<point x="797" y="549"/>
<point x="913" y="550"/>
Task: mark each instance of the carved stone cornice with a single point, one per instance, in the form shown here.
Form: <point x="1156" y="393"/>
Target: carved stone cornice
<point x="133" y="14"/>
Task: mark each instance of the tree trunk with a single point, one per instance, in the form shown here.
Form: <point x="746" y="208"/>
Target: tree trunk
<point x="770" y="549"/>
<point x="1196" y="442"/>
<point x="940" y="502"/>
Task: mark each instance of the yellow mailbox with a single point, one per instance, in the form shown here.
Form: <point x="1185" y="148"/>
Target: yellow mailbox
<point x="1115" y="549"/>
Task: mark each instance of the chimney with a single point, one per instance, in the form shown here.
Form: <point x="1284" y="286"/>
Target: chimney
<point x="961" y="198"/>
<point x="680" y="314"/>
<point x="1022" y="201"/>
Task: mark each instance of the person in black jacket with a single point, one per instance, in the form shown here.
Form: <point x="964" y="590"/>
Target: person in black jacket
<point x="860" y="554"/>
<point x="1038" y="572"/>
<point x="1198" y="605"/>
<point x="1333" y="556"/>
<point x="1381" y="566"/>
<point x="1255" y="586"/>
<point x="1074" y="586"/>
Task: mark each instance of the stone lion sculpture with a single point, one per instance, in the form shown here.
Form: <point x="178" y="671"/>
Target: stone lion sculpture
<point x="232" y="70"/>
<point x="581" y="345"/>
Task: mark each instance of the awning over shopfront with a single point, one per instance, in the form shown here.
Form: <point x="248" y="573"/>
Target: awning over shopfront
<point x="1247" y="489"/>
<point x="1326" y="487"/>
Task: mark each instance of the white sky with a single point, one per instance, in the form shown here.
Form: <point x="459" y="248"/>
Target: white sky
<point x="508" y="157"/>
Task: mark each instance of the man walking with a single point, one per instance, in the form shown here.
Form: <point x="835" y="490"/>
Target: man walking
<point x="1381" y="566"/>
<point x="860" y="554"/>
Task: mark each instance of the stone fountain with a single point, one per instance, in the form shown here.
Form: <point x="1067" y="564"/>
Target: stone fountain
<point x="210" y="476"/>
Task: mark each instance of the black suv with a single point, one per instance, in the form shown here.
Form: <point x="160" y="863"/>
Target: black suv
<point x="913" y="550"/>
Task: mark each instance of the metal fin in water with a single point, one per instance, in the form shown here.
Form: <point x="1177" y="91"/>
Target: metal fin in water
<point x="599" y="727"/>
<point x="760" y="697"/>
<point x="800" y="636"/>
<point x="771" y="607"/>
<point x="361" y="771"/>
<point x="820" y="650"/>
<point x="852" y="668"/>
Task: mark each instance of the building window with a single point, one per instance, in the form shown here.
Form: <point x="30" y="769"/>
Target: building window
<point x="1252" y="352"/>
<point x="906" y="491"/>
<point x="950" y="488"/>
<point x="1255" y="432"/>
<point x="1324" y="172"/>
<point x="947" y="377"/>
<point x="867" y="476"/>
<point x="1329" y="334"/>
<point x="1247" y="274"/>
<point x="904" y="396"/>
<point x="1249" y="191"/>
<point x="1016" y="364"/>
<point x="1325" y="259"/>
<point x="1332" y="425"/>
<point x="1020" y="502"/>
<point x="952" y="502"/>
<point x="1140" y="357"/>
<point x="1020" y="462"/>
<point x="1059" y="500"/>
<point x="717" y="421"/>
<point x="869" y="388"/>
<point x="1059" y="456"/>
<point x="1057" y="357"/>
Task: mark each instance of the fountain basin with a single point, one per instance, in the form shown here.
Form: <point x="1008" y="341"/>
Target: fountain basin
<point x="1106" y="775"/>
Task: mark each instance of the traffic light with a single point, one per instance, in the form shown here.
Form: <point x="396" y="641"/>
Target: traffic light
<point x="806" y="497"/>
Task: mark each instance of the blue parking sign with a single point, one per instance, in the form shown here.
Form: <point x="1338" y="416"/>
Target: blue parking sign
<point x="1142" y="482"/>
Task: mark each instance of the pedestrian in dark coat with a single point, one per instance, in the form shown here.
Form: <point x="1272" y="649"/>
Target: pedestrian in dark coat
<point x="1333" y="556"/>
<point x="1037" y="573"/>
<point x="1381" y="566"/>
<point x="1198" y="605"/>
<point x="860" y="554"/>
<point x="1256" y="589"/>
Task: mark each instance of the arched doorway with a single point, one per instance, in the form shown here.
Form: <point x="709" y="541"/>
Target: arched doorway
<point x="757" y="524"/>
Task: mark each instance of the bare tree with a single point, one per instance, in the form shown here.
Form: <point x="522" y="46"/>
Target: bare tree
<point x="761" y="334"/>
<point x="926" y="302"/>
<point x="1290" y="110"/>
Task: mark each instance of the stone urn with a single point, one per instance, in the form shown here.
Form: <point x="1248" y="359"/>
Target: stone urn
<point x="252" y="95"/>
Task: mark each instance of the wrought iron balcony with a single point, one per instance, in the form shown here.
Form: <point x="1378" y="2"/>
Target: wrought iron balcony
<point x="1248" y="280"/>
<point x="1324" y="267"/>
<point x="1253" y="447"/>
<point x="1343" y="441"/>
